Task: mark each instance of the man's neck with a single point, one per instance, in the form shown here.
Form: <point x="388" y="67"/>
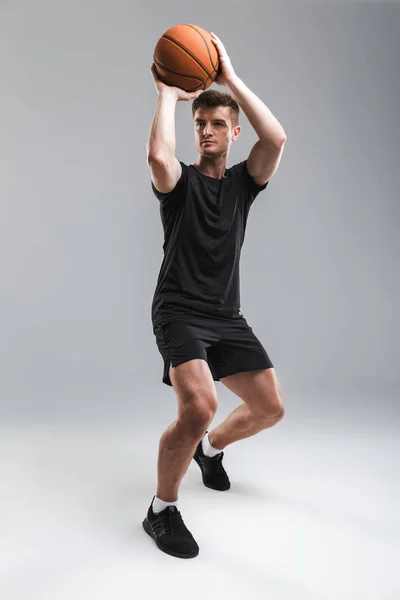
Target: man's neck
<point x="211" y="167"/>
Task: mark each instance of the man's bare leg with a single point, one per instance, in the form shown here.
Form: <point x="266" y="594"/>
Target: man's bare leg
<point x="197" y="404"/>
<point x="262" y="408"/>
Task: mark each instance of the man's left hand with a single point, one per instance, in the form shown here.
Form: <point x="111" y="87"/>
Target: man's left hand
<point x="226" y="74"/>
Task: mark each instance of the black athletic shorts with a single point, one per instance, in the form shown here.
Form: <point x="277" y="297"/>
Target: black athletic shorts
<point x="229" y="346"/>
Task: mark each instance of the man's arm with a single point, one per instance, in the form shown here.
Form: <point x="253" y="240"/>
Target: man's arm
<point x="266" y="153"/>
<point x="165" y="167"/>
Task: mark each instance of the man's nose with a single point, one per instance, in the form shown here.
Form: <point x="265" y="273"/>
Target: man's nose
<point x="206" y="130"/>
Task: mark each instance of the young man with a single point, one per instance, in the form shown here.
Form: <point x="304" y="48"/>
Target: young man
<point x="200" y="332"/>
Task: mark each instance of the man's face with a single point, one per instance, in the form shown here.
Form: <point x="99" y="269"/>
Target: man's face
<point x="213" y="130"/>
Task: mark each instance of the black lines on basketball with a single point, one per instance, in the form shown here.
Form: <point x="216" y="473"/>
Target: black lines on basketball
<point x="159" y="64"/>
<point x="215" y="70"/>
<point x="184" y="55"/>
<point x="166" y="37"/>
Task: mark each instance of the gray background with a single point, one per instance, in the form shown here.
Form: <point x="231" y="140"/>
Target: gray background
<point x="80" y="230"/>
<point x="81" y="236"/>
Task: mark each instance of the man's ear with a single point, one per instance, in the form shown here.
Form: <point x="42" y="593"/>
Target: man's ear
<point x="236" y="132"/>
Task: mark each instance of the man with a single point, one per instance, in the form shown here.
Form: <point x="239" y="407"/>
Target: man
<point x="200" y="332"/>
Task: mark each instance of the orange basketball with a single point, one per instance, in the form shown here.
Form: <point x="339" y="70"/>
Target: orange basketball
<point x="185" y="57"/>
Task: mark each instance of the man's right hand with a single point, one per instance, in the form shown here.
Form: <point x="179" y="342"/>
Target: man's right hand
<point x="178" y="92"/>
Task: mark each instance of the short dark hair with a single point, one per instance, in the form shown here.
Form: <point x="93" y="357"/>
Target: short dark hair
<point x="212" y="98"/>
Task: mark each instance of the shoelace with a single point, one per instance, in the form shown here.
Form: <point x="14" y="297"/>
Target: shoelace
<point x="216" y="463"/>
<point x="169" y="521"/>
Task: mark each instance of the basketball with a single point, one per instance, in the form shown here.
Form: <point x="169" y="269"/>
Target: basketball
<point x="185" y="57"/>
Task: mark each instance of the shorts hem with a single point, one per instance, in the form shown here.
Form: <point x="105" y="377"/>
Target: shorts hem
<point x="256" y="367"/>
<point x="166" y="378"/>
<point x="232" y="371"/>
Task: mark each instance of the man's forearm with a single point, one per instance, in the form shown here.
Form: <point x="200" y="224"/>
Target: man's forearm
<point x="267" y="127"/>
<point x="161" y="142"/>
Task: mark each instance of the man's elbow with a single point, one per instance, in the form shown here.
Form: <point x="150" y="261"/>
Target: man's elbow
<point x="277" y="142"/>
<point x="160" y="157"/>
<point x="281" y="140"/>
<point x="153" y="158"/>
<point x="156" y="159"/>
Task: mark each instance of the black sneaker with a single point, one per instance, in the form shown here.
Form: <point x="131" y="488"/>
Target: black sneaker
<point x="212" y="470"/>
<point x="170" y="532"/>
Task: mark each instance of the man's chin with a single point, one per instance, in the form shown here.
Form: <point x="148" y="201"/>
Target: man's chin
<point x="209" y="150"/>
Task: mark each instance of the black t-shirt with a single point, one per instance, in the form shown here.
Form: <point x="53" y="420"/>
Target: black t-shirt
<point x="204" y="221"/>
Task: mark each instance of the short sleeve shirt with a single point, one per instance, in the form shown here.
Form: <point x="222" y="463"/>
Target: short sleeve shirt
<point x="204" y="221"/>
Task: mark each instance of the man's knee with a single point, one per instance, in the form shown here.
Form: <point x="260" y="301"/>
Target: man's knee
<point x="198" y="411"/>
<point x="278" y="415"/>
<point x="271" y="418"/>
<point x="273" y="410"/>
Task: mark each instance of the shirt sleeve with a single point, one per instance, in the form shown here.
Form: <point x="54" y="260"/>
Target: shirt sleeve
<point x="252" y="188"/>
<point x="178" y="190"/>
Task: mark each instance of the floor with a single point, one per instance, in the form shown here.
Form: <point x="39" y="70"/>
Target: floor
<point x="312" y="514"/>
